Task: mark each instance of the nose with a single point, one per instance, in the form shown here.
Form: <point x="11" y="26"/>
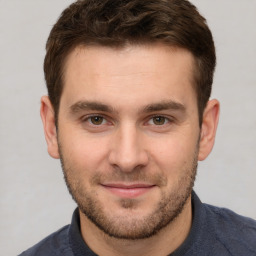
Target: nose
<point x="127" y="149"/>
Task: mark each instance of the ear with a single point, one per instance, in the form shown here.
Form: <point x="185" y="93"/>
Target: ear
<point x="50" y="131"/>
<point x="208" y="128"/>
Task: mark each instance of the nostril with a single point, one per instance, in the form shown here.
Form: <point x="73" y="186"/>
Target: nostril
<point x="127" y="151"/>
<point x="128" y="162"/>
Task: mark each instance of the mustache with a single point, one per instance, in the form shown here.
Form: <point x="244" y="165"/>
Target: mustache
<point x="116" y="175"/>
<point x="135" y="176"/>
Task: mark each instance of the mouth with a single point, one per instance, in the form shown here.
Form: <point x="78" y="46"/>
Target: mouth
<point x="128" y="190"/>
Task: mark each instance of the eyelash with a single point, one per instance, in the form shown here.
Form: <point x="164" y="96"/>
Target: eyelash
<point x="166" y="119"/>
<point x="105" y="120"/>
<point x="88" y="117"/>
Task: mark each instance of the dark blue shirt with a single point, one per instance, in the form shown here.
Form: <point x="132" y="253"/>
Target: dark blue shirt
<point x="215" y="232"/>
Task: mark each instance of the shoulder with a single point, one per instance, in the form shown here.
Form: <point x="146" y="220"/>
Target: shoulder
<point x="234" y="232"/>
<point x="55" y="244"/>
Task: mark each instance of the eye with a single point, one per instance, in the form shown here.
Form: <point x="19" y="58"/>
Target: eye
<point x="96" y="120"/>
<point x="158" y="120"/>
<point x="96" y="123"/>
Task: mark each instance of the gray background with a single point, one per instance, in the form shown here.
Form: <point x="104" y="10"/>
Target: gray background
<point x="34" y="200"/>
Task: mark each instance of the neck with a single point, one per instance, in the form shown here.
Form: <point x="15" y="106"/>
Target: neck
<point x="163" y="243"/>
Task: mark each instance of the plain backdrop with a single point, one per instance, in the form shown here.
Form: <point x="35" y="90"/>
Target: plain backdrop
<point x="34" y="200"/>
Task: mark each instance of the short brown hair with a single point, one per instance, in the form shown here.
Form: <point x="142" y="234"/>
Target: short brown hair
<point x="115" y="23"/>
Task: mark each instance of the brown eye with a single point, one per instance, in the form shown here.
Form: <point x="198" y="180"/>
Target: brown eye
<point x="159" y="120"/>
<point x="96" y="120"/>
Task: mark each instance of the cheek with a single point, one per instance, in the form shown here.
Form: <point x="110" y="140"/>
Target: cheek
<point x="173" y="154"/>
<point x="84" y="152"/>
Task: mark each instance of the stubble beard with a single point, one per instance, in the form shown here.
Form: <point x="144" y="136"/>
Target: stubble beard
<point x="131" y="226"/>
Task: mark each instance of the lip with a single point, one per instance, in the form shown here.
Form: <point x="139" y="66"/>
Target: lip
<point x="128" y="190"/>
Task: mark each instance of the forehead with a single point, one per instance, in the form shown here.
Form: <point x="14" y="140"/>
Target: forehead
<point x="134" y="71"/>
<point x="158" y="53"/>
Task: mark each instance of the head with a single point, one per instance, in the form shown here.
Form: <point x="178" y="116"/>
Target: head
<point x="128" y="111"/>
<point x="116" y="23"/>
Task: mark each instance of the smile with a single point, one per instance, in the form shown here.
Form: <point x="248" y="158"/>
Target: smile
<point x="128" y="191"/>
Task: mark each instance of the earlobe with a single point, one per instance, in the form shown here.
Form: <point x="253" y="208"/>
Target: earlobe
<point x="50" y="132"/>
<point x="208" y="128"/>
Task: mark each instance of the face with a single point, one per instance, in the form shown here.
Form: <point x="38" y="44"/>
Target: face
<point x="128" y="136"/>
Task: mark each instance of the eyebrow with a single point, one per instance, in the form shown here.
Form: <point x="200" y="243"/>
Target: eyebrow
<point x="98" y="106"/>
<point x="165" y="105"/>
<point x="90" y="105"/>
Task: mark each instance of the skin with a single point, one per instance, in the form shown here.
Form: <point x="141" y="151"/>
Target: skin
<point x="139" y="150"/>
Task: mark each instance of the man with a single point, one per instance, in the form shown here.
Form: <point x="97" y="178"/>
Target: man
<point x="129" y="116"/>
